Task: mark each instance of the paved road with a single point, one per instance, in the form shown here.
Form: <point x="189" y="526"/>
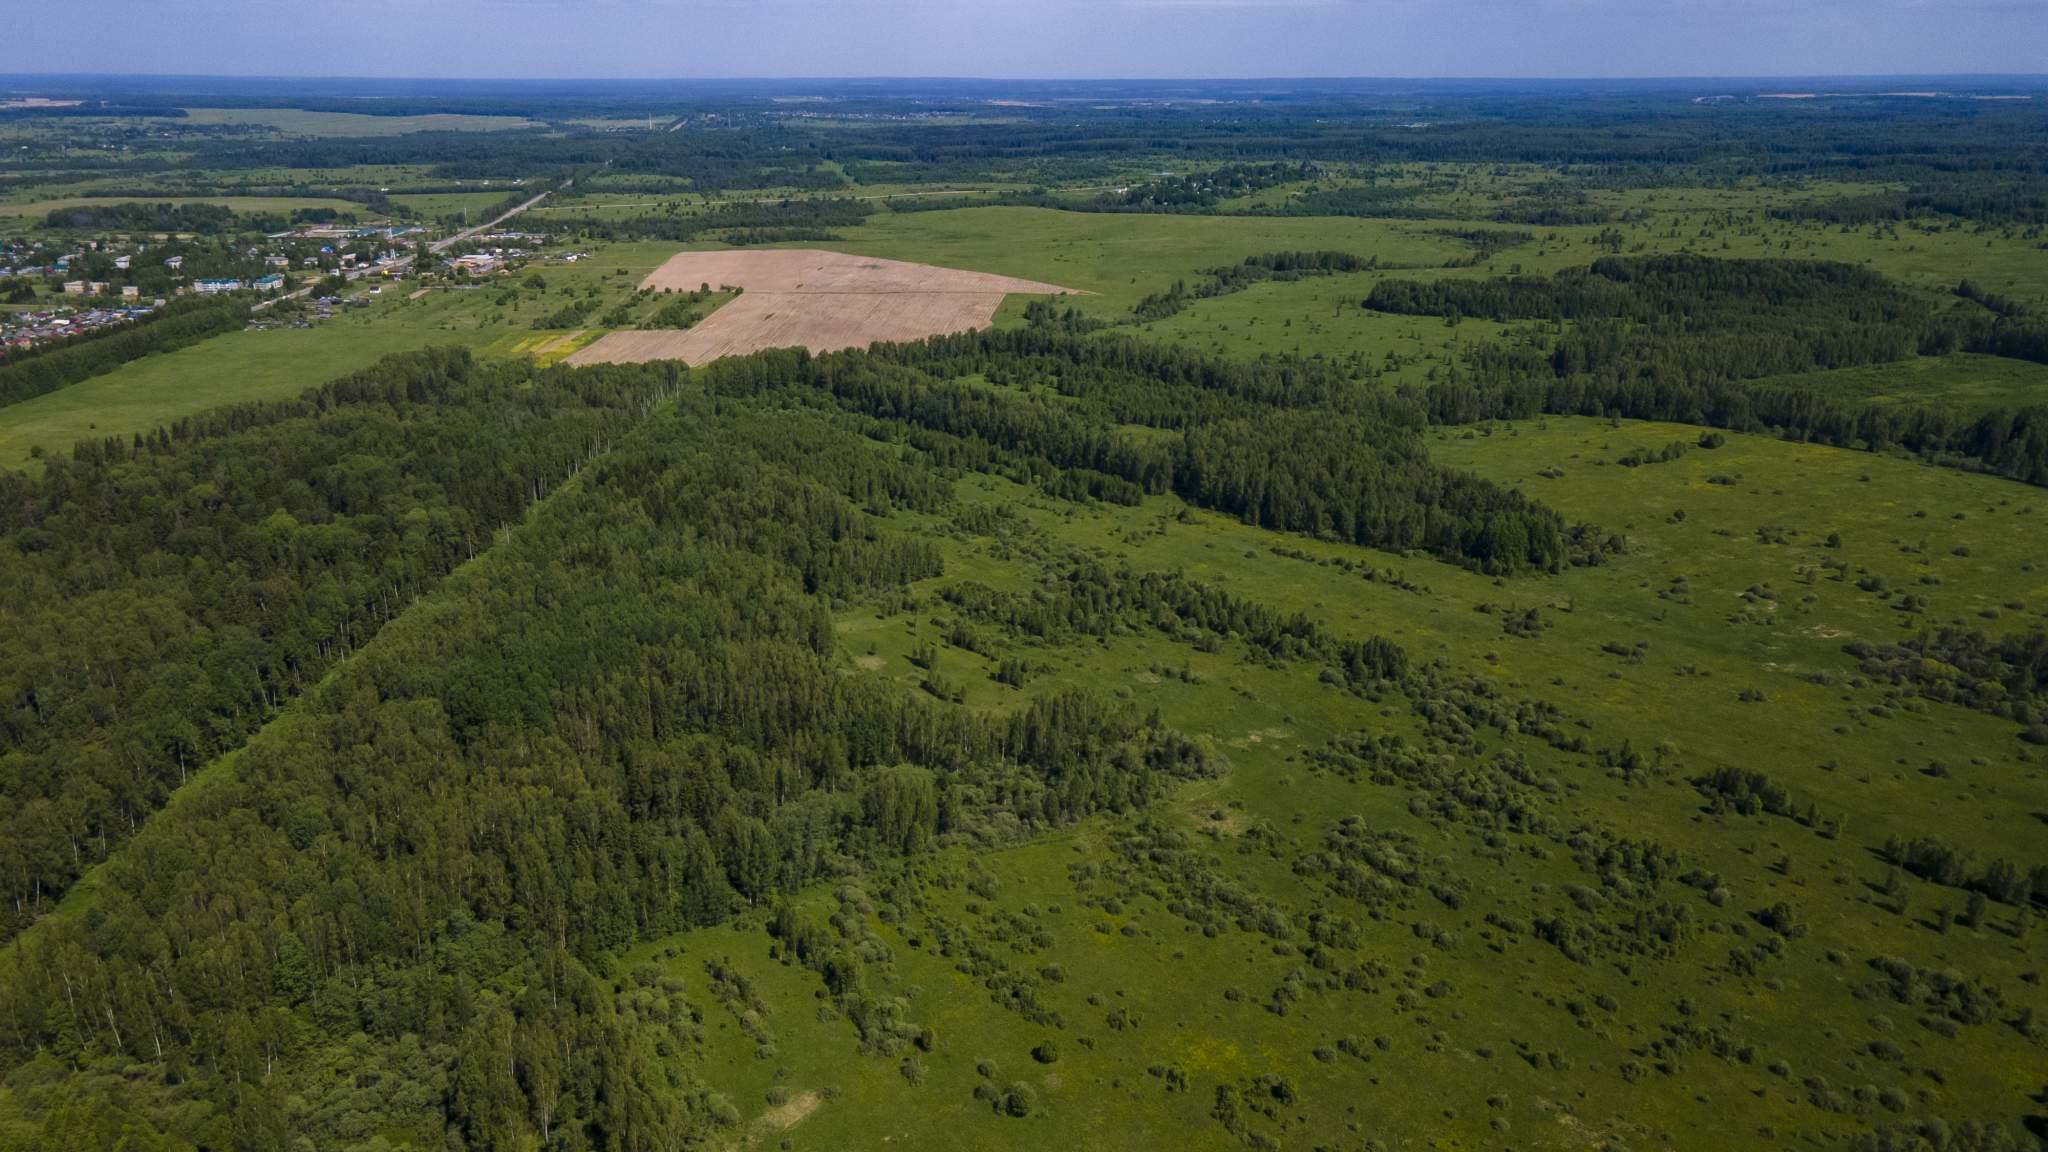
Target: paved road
<point x="459" y="237"/>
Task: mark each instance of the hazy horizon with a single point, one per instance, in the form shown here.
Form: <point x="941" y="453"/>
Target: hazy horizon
<point x="974" y="78"/>
<point x="1037" y="39"/>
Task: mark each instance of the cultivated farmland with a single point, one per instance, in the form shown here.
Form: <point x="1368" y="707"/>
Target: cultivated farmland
<point x="823" y="301"/>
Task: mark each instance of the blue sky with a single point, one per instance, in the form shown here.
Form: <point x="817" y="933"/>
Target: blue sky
<point x="1026" y="38"/>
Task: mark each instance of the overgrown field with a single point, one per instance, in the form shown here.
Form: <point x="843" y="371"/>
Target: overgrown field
<point x="1484" y="979"/>
<point x="1493" y="621"/>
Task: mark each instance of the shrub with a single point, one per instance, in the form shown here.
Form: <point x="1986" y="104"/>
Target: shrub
<point x="1019" y="1100"/>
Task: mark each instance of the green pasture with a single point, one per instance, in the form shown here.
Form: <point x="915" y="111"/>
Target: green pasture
<point x="474" y="206"/>
<point x="1123" y="257"/>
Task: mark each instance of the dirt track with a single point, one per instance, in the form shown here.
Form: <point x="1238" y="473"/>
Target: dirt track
<point x="814" y="299"/>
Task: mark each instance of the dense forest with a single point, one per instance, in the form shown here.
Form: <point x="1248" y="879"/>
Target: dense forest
<point x="395" y="908"/>
<point x="388" y="855"/>
<point x="1679" y="338"/>
<point x="1353" y="470"/>
<point x="166" y="594"/>
<point x="621" y="721"/>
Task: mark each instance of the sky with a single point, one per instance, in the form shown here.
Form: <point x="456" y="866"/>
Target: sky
<point x="1042" y="39"/>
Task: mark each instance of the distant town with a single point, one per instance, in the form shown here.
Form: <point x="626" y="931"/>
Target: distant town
<point x="63" y="289"/>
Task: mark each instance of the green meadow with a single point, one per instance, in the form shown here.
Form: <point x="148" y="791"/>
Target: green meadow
<point x="303" y="122"/>
<point x="1713" y="629"/>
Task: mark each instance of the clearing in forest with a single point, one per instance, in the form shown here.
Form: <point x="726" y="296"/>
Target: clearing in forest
<point x="811" y="298"/>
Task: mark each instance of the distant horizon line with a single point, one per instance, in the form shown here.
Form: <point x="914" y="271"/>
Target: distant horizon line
<point x="1851" y="77"/>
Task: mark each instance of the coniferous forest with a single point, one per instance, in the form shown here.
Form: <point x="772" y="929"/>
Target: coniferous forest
<point x="1481" y="616"/>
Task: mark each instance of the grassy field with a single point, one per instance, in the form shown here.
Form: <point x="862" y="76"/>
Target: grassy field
<point x="1969" y="382"/>
<point x="226" y="369"/>
<point x="1123" y="258"/>
<point x="1467" y="1033"/>
<point x="449" y="205"/>
<point x="267" y="365"/>
<point x="301" y="122"/>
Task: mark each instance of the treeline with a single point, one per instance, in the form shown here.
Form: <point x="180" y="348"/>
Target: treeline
<point x="198" y="218"/>
<point x="1092" y="599"/>
<point x="763" y="219"/>
<point x="2005" y="676"/>
<point x="679" y="310"/>
<point x="205" y="219"/>
<point x="1695" y="292"/>
<point x="742" y="237"/>
<point x="392" y="914"/>
<point x="178" y="324"/>
<point x="1292" y="446"/>
<point x="164" y="595"/>
<point x="1489" y="242"/>
<point x="1987" y="201"/>
<point x="1385" y="201"/>
<point x="1301" y="471"/>
<point x="2002" y="880"/>
<point x="1200" y="191"/>
<point x="1687" y="338"/>
<point x="1194" y="195"/>
<point x="1282" y="266"/>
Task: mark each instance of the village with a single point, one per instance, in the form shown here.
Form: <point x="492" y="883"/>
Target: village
<point x="20" y="331"/>
<point x="54" y="289"/>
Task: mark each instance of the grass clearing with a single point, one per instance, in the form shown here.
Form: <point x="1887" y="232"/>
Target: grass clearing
<point x="230" y="369"/>
<point x="303" y="122"/>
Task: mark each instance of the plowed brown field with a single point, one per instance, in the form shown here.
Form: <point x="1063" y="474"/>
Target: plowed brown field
<point x="814" y="299"/>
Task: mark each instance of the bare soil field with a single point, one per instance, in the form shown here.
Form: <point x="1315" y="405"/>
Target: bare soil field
<point x="814" y="299"/>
